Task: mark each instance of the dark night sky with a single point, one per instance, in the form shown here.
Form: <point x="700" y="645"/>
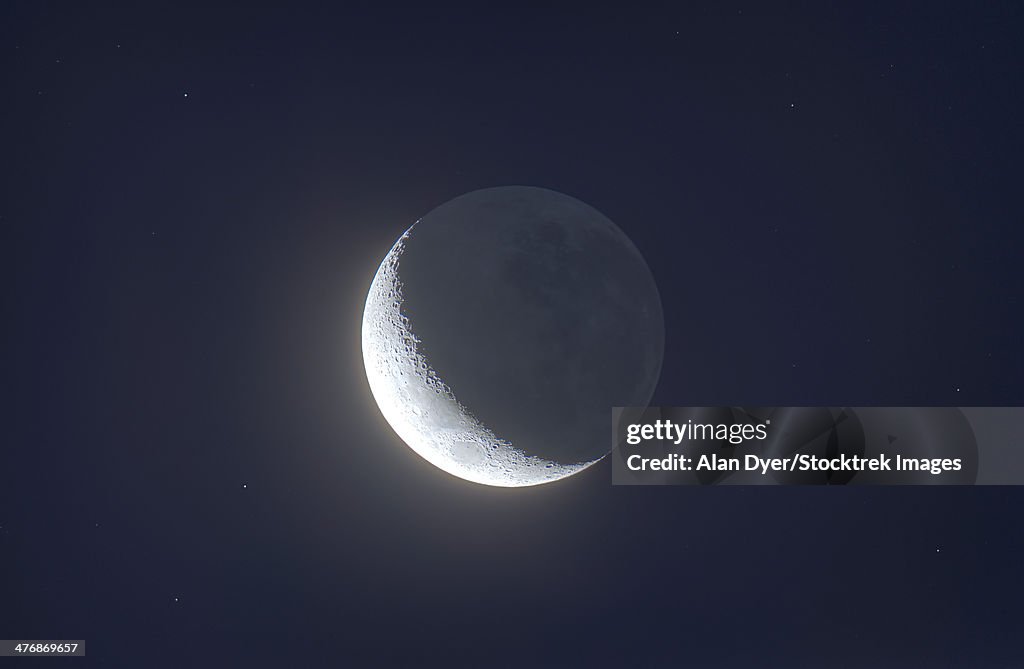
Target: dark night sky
<point x="194" y="202"/>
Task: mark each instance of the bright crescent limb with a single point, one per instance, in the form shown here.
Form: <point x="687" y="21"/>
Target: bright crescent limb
<point x="422" y="409"/>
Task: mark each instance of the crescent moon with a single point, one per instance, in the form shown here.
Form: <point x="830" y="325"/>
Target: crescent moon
<point x="423" y="410"/>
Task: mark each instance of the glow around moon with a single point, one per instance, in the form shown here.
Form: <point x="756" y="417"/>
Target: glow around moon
<point x="422" y="409"/>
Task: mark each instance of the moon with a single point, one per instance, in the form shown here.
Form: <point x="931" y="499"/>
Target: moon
<point x="503" y="326"/>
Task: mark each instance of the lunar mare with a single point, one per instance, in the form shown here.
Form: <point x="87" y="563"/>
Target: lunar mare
<point x="502" y="327"/>
<point x="422" y="410"/>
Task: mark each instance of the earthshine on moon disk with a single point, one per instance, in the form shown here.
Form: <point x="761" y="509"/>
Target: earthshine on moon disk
<point x="503" y="326"/>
